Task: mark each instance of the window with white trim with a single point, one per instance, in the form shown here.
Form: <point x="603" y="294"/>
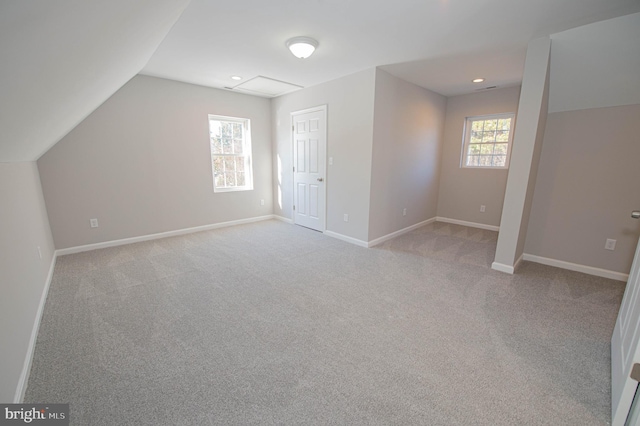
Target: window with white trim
<point x="230" y="140"/>
<point x="487" y="141"/>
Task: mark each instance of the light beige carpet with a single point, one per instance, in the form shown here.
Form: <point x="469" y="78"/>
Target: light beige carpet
<point x="271" y="323"/>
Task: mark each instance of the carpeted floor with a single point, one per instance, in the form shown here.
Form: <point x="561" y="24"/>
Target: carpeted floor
<point x="271" y="323"/>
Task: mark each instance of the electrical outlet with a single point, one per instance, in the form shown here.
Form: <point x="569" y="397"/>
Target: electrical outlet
<point x="610" y="244"/>
<point x="482" y="208"/>
<point x="262" y="202"/>
<point x="331" y="161"/>
<point x="346" y="217"/>
<point x="93" y="223"/>
<point x="404" y="212"/>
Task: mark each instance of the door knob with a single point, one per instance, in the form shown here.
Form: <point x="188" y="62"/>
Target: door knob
<point x="635" y="372"/>
<point x="320" y="180"/>
<point x="635" y="214"/>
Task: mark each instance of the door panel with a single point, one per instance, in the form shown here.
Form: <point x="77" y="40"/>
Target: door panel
<point x="313" y="156"/>
<point x="302" y="195"/>
<point x="313" y="201"/>
<point x="310" y="147"/>
<point x="302" y="154"/>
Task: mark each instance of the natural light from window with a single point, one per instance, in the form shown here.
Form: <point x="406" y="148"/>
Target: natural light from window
<point x="487" y="141"/>
<point x="230" y="141"/>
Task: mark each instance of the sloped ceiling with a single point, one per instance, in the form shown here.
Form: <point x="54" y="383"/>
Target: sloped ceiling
<point x="596" y="65"/>
<point x="62" y="59"/>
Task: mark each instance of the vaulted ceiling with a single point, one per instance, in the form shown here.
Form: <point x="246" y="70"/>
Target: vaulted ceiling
<point x="62" y="59"/>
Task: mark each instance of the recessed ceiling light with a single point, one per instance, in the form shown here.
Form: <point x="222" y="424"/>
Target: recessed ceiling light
<point x="477" y="80"/>
<point x="236" y="77"/>
<point x="302" y="47"/>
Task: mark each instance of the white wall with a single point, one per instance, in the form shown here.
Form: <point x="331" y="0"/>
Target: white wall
<point x="349" y="103"/>
<point x="24" y="275"/>
<point x="463" y="190"/>
<point x="407" y="144"/>
<point x="62" y="59"/>
<point x="141" y="164"/>
<point x="596" y="65"/>
<point x="587" y="187"/>
<point x="527" y="145"/>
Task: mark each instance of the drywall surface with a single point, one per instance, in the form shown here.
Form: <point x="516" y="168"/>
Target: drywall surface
<point x="596" y="65"/>
<point x="464" y="190"/>
<point x="407" y="142"/>
<point x="587" y="187"/>
<point x="527" y="140"/>
<point x="62" y="59"/>
<point x="349" y="103"/>
<point x="23" y="274"/>
<point x="141" y="164"/>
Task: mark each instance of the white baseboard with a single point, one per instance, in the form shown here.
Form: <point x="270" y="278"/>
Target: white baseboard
<point x="26" y="369"/>
<point x="469" y="224"/>
<point x="517" y="263"/>
<point x="605" y="273"/>
<point x="283" y="219"/>
<point x="347" y="239"/>
<point x="503" y="268"/>
<point x="400" y="232"/>
<point x="114" y="243"/>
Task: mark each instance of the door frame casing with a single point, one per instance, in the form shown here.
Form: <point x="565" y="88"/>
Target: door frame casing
<point x="324" y="109"/>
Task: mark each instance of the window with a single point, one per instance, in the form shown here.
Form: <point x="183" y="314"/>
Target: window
<point x="230" y="140"/>
<point x="487" y="141"/>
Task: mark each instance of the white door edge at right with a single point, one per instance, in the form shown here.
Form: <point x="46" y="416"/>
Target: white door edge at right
<point x="625" y="347"/>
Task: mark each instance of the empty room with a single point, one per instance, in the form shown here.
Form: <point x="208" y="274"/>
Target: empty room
<point x="319" y="212"/>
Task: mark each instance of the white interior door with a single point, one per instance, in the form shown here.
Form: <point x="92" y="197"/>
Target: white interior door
<point x="309" y="167"/>
<point x="625" y="350"/>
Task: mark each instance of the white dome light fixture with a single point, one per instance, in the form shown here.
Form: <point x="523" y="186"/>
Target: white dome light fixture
<point x="302" y="47"/>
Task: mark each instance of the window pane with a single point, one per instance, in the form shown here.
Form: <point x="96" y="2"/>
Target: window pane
<point x="489" y="136"/>
<point x="490" y="125"/>
<point x="486" y="148"/>
<point x="487" y="141"/>
<point x="227" y="146"/>
<point x="240" y="179"/>
<point x="226" y="130"/>
<point x="499" y="160"/>
<point x="474" y="149"/>
<point x="502" y="136"/>
<point x="229" y="164"/>
<point x="231" y="153"/>
<point x="485" y="160"/>
<point x="214" y="128"/>
<point x="218" y="167"/>
<point x="216" y="145"/>
<point x="240" y="164"/>
<point x="237" y="131"/>
<point x="237" y="146"/>
<point x="500" y="148"/>
<point x="504" y="124"/>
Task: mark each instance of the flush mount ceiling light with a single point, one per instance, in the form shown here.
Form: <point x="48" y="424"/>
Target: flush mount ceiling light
<point x="302" y="47"/>
<point x="477" y="80"/>
<point x="236" y="77"/>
